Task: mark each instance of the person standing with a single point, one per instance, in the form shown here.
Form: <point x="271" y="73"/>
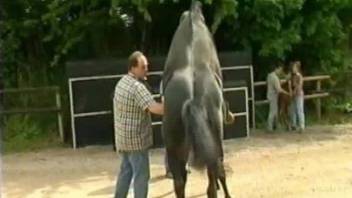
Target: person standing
<point x="297" y="104"/>
<point x="133" y="104"/>
<point x="273" y="90"/>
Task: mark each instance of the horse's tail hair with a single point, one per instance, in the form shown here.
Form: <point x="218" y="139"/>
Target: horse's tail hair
<point x="205" y="150"/>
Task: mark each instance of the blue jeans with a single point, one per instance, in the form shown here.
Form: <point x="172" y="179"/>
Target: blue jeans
<point x="297" y="112"/>
<point x="133" y="165"/>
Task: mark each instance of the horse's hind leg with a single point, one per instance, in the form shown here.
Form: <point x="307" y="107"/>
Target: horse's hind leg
<point x="222" y="178"/>
<point x="180" y="179"/>
<point x="212" y="177"/>
<point x="288" y="118"/>
<point x="216" y="172"/>
<point x="224" y="186"/>
<point x="178" y="169"/>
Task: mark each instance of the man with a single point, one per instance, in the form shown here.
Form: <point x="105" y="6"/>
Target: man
<point x="273" y="90"/>
<point x="133" y="104"/>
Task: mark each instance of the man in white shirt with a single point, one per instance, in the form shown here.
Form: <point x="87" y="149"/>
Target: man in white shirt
<point x="273" y="90"/>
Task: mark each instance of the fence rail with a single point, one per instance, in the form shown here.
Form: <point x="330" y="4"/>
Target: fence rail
<point x="56" y="109"/>
<point x="29" y="89"/>
<point x="305" y="79"/>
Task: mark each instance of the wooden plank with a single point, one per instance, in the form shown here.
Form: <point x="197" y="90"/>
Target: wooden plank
<point x="59" y="115"/>
<point x="26" y="111"/>
<point x="29" y="89"/>
<point x="314" y="78"/>
<point x="306" y="97"/>
<point x="318" y="102"/>
<point x="305" y="79"/>
<point x="316" y="95"/>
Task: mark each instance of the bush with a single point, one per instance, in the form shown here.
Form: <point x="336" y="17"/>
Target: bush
<point x="29" y="132"/>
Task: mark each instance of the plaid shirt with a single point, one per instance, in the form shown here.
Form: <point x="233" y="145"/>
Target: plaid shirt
<point x="133" y="130"/>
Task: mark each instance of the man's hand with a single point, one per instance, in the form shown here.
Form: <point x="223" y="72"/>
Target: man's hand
<point x="230" y="118"/>
<point x="285" y="92"/>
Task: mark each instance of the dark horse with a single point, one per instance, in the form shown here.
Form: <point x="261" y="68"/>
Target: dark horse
<point x="193" y="117"/>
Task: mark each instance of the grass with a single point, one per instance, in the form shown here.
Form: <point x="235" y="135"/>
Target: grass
<point x="332" y="118"/>
<point x="19" y="144"/>
<point x="23" y="133"/>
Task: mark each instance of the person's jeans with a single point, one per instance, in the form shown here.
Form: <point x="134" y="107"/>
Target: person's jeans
<point x="273" y="112"/>
<point x="297" y="112"/>
<point x="133" y="165"/>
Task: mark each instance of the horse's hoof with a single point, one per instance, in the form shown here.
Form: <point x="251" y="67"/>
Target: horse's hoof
<point x="168" y="175"/>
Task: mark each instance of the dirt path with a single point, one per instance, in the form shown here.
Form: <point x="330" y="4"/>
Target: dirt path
<point x="315" y="164"/>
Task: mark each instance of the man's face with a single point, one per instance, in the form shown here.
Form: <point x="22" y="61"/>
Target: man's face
<point x="141" y="70"/>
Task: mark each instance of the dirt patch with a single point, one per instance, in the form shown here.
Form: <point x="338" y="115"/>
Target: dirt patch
<point x="317" y="163"/>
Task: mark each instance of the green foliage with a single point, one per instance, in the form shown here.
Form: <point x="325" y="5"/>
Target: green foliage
<point x="20" y="38"/>
<point x="41" y="35"/>
<point x="73" y="22"/>
<point x="38" y="36"/>
<point x="20" y="127"/>
<point x="25" y="133"/>
<point x="340" y="88"/>
<point x="226" y="9"/>
<point x="308" y="30"/>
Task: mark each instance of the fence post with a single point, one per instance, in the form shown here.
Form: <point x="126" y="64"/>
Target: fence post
<point x="59" y="114"/>
<point x="318" y="103"/>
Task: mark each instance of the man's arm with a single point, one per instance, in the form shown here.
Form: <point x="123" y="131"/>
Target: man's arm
<point x="156" y="108"/>
<point x="145" y="100"/>
<point x="284" y="92"/>
<point x="279" y="88"/>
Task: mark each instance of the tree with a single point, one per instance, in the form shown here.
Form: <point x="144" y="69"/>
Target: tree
<point x="39" y="36"/>
<point x="280" y="30"/>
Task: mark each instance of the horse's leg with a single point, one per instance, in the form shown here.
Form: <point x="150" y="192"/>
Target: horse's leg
<point x="287" y="121"/>
<point x="215" y="122"/>
<point x="289" y="116"/>
<point x="283" y="116"/>
<point x="212" y="177"/>
<point x="222" y="178"/>
<point x="177" y="165"/>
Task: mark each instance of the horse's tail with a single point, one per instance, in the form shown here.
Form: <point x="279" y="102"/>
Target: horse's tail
<point x="198" y="132"/>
